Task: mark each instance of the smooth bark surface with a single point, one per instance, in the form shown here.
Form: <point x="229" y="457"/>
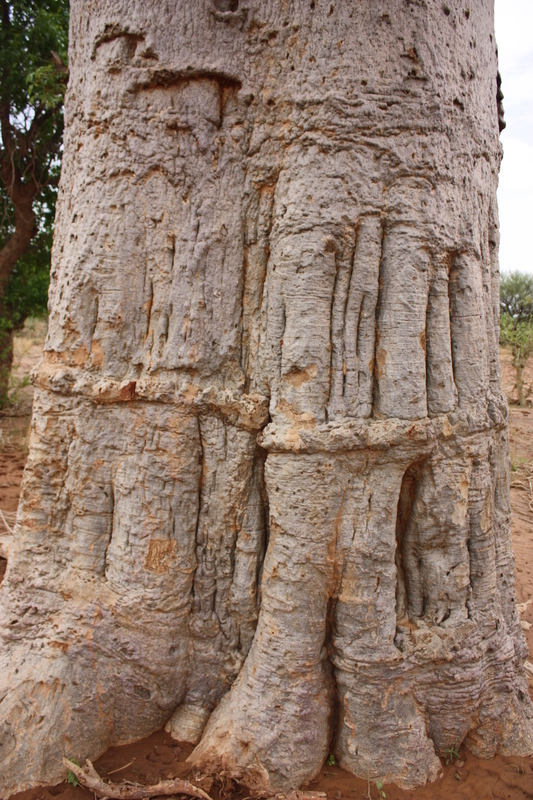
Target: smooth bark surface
<point x="267" y="496"/>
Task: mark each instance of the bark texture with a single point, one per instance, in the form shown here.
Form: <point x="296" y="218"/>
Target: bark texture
<point x="267" y="496"/>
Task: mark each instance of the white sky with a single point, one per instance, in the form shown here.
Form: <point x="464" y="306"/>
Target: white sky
<point x="514" y="36"/>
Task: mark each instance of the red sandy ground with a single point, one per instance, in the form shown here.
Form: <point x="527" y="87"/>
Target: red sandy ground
<point x="160" y="757"/>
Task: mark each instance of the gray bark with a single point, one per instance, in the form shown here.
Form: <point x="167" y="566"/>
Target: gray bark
<point x="267" y="496"/>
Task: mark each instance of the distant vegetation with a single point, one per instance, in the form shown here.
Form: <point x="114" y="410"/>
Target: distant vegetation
<point x="33" y="77"/>
<point x="516" y="327"/>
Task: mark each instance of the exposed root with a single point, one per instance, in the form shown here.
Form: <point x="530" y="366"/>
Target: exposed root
<point x="298" y="795"/>
<point x="11" y="516"/>
<point x="127" y="790"/>
<point x="526" y="487"/>
<point x="89" y="778"/>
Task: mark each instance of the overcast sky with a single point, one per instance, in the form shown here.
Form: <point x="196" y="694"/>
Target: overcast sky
<point x="514" y="35"/>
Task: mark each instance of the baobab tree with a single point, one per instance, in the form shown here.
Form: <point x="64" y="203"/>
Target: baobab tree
<point x="267" y="501"/>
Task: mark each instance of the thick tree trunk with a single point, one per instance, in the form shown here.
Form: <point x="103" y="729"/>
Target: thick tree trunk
<point x="278" y="213"/>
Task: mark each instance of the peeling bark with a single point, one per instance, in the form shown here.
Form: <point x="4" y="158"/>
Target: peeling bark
<point x="267" y="496"/>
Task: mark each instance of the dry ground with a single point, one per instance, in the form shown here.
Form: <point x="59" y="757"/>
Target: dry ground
<point x="160" y="757"/>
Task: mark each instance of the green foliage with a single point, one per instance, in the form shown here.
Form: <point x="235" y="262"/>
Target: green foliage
<point x="451" y="754"/>
<point x="33" y="57"/>
<point x="71" y="778"/>
<point x="516" y="324"/>
<point x="331" y="760"/>
<point x="27" y="291"/>
<point x="33" y="52"/>
<point x="381" y="791"/>
<point x="516" y="296"/>
<point x="518" y="335"/>
<point x="33" y="77"/>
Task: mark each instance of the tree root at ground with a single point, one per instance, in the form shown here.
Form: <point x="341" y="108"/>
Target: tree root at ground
<point x="89" y="778"/>
<point x="127" y="790"/>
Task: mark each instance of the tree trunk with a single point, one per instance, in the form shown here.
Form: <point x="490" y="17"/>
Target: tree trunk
<point x="25" y="230"/>
<point x="269" y="448"/>
<point x="519" y="365"/>
<point x="6" y="362"/>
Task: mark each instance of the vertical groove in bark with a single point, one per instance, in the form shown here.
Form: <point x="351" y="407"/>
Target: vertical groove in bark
<point x="400" y="357"/>
<point x="267" y="495"/>
<point x="404" y="567"/>
<point x="467" y="325"/>
<point x="344" y="263"/>
<point x="335" y="336"/>
<point x="377" y="355"/>
<point x="258" y="228"/>
<point x="440" y="384"/>
<point x="365" y="650"/>
<point x="362" y="303"/>
<point x="345" y="317"/>
<point x="493" y="239"/>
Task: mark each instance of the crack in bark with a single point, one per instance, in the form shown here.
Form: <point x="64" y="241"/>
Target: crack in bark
<point x="346" y="303"/>
<point x="252" y="295"/>
<point x="407" y="582"/>
<point x="151" y="77"/>
<point x="111" y="522"/>
<point x="375" y="390"/>
<point x="452" y="288"/>
<point x="150" y="304"/>
<point x="93" y="320"/>
<point x="200" y="488"/>
<point x="331" y="332"/>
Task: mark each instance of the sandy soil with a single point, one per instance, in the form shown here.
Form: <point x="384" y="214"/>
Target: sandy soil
<point x="160" y="757"/>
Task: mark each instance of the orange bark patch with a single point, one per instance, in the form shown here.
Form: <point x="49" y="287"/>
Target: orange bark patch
<point x="190" y="392"/>
<point x="60" y="645"/>
<point x="159" y="556"/>
<point x="97" y="353"/>
<point x="297" y="377"/>
<point x="381" y="357"/>
<point x="128" y="392"/>
<point x="79" y="356"/>
<point x="75" y="357"/>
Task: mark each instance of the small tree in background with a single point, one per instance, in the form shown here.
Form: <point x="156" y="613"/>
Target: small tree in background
<point x="33" y="76"/>
<point x="516" y="296"/>
<point x="516" y="329"/>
